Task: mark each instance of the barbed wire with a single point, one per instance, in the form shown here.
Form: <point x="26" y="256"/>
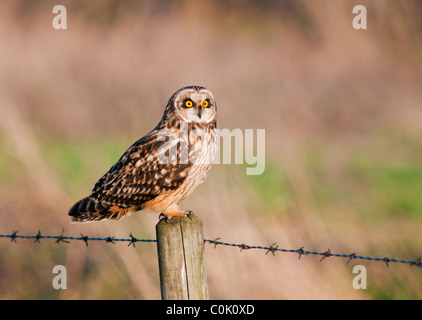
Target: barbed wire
<point x="271" y="249"/>
<point x="63" y="238"/>
<point x="274" y="248"/>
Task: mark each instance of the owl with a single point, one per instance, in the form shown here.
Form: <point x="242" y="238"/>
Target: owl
<point x="162" y="168"/>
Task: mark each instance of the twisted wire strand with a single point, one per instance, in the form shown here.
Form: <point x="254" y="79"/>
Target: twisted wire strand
<point x="271" y="249"/>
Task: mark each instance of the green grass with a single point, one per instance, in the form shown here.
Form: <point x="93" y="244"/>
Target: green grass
<point x="82" y="164"/>
<point x="374" y="189"/>
<point x="359" y="180"/>
<point x="392" y="172"/>
<point x="397" y="190"/>
<point x="272" y="187"/>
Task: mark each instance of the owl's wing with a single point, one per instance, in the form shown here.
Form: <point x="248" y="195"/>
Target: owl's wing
<point x="142" y="174"/>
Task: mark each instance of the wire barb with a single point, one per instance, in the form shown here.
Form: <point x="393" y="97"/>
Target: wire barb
<point x="215" y="241"/>
<point x="301" y="251"/>
<point x="272" y="248"/>
<point x="38" y="237"/>
<point x="417" y="262"/>
<point x="84" y="238"/>
<point x="351" y="257"/>
<point x="132" y="240"/>
<point x="326" y="254"/>
<point x="62" y="238"/>
<point x="13" y="236"/>
<point x="243" y="246"/>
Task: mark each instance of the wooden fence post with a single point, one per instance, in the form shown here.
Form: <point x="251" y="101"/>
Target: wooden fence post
<point x="180" y="244"/>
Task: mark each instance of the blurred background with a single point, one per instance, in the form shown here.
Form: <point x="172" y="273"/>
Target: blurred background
<point x="341" y="109"/>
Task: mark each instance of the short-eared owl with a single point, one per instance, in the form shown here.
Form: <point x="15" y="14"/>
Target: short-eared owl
<point x="159" y="170"/>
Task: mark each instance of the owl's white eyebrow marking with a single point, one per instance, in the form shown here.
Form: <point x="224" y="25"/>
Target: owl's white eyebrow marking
<point x="178" y="98"/>
<point x="209" y="93"/>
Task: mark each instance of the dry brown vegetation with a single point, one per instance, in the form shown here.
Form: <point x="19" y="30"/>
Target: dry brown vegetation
<point x="341" y="109"/>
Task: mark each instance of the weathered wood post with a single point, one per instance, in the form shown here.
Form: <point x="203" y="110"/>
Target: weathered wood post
<point x="181" y="258"/>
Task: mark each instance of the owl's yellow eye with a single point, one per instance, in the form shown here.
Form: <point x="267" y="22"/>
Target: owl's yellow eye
<point x="188" y="104"/>
<point x="206" y="104"/>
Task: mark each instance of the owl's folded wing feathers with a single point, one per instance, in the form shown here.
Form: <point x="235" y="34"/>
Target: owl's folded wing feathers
<point x="138" y="176"/>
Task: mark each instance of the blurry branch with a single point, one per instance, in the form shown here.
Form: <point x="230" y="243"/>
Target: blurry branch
<point x="271" y="249"/>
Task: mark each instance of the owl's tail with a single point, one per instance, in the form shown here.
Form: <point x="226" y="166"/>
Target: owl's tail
<point x="87" y="210"/>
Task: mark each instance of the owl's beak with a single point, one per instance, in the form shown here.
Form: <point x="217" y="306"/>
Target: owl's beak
<point x="200" y="109"/>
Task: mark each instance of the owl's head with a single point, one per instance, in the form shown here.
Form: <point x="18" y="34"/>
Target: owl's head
<point x="194" y="104"/>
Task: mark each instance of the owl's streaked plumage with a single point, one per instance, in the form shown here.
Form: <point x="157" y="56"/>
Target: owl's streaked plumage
<point x="159" y="170"/>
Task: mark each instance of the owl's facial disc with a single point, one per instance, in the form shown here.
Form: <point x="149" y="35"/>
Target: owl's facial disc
<point x="195" y="105"/>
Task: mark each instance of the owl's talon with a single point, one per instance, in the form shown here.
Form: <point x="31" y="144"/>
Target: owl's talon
<point x="188" y="213"/>
<point x="162" y="216"/>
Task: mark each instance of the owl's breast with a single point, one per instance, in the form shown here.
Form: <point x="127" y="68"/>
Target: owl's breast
<point x="202" y="147"/>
